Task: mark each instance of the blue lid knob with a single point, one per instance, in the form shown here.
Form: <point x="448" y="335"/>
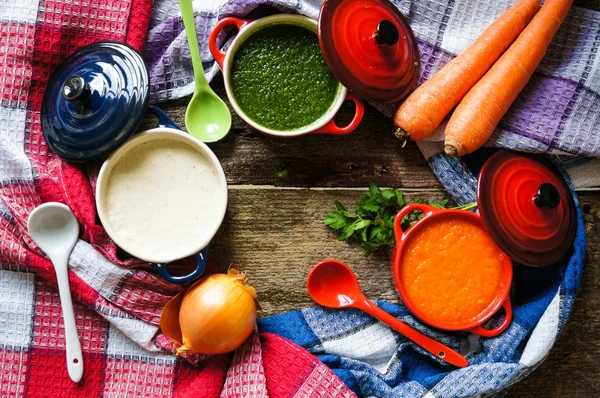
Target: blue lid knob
<point x="75" y="89"/>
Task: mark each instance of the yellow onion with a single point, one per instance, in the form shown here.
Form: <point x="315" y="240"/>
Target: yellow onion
<point x="214" y="316"/>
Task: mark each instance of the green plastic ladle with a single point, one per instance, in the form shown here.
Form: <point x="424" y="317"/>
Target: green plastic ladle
<point x="207" y="117"/>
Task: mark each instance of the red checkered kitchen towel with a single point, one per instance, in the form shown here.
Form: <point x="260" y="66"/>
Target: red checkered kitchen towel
<point x="118" y="303"/>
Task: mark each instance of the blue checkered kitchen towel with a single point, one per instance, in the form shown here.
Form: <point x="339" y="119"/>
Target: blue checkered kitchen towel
<point x="563" y="97"/>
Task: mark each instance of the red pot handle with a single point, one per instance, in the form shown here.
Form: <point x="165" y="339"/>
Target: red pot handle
<point x="480" y="330"/>
<point x="332" y="128"/>
<point x="409" y="208"/>
<point x="212" y="39"/>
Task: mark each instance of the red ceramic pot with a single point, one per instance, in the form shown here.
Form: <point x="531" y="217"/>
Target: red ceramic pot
<point x="434" y="215"/>
<point x="325" y="124"/>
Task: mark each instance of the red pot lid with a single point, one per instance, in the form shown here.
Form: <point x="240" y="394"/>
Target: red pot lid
<point x="369" y="47"/>
<point x="527" y="207"/>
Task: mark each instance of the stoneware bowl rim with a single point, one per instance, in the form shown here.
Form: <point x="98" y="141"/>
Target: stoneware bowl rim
<point x="148" y="135"/>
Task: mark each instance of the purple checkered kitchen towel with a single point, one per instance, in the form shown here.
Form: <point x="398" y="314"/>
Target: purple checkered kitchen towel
<point x="558" y="113"/>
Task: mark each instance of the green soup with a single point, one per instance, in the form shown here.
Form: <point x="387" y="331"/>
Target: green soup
<point x="280" y="79"/>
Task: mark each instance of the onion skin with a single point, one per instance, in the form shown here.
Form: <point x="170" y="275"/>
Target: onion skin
<point x="169" y="319"/>
<point x="216" y="315"/>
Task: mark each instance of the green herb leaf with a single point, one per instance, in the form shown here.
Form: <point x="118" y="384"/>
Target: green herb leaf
<point x="442" y="205"/>
<point x="342" y="210"/>
<point x="368" y="247"/>
<point x="348" y="231"/>
<point x="375" y="193"/>
<point x="362" y="224"/>
<point x="371" y="207"/>
<point x="400" y="199"/>
<point x="363" y="234"/>
<point x="373" y="233"/>
<point x="335" y="220"/>
<point x="339" y="206"/>
<point x="373" y="223"/>
<point x="388" y="195"/>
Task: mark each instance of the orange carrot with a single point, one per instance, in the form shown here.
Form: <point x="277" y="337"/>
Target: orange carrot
<point x="428" y="105"/>
<point x="478" y="114"/>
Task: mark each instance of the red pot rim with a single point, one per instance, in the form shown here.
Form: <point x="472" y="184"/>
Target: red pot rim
<point x="433" y="214"/>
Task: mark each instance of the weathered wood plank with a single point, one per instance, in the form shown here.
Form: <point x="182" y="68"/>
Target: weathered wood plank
<point x="370" y="154"/>
<point x="277" y="235"/>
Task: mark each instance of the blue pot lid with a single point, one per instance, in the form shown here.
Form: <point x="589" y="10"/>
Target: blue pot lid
<point x="95" y="101"/>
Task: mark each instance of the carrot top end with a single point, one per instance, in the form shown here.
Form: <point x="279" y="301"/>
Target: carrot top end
<point x="402" y="136"/>
<point x="450" y="151"/>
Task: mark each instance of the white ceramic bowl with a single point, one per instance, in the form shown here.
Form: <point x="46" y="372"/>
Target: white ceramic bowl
<point x="247" y="28"/>
<point x="196" y="243"/>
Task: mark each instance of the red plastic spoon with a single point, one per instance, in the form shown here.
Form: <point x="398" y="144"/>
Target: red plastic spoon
<point x="331" y="283"/>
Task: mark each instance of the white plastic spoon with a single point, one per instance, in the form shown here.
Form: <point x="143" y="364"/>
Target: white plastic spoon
<point x="55" y="230"/>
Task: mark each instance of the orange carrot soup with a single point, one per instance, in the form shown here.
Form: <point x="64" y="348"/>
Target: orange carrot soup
<point x="451" y="271"/>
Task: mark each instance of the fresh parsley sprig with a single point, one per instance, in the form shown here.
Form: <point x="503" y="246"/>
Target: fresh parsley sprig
<point x="373" y="220"/>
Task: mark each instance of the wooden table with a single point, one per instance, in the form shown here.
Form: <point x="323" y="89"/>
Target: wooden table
<point x="280" y="191"/>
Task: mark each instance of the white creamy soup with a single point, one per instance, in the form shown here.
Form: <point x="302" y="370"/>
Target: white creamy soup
<point x="162" y="197"/>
